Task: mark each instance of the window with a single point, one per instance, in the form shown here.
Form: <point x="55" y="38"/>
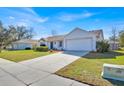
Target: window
<point x="60" y="44"/>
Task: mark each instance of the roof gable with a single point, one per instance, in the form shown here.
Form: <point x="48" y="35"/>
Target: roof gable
<point x="54" y="38"/>
<point x="77" y="31"/>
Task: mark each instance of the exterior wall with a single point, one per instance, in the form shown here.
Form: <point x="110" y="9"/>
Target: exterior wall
<point x="78" y="34"/>
<point x="21" y="46"/>
<point x="48" y="44"/>
<point x="55" y="45"/>
<point x="94" y="43"/>
<point x="100" y="38"/>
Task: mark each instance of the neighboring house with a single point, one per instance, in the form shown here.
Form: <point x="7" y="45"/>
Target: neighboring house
<point x="42" y="42"/>
<point x="23" y="44"/>
<point x="113" y="45"/>
<point x="77" y="40"/>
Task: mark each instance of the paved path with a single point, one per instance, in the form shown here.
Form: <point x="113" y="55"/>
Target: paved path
<point x="38" y="71"/>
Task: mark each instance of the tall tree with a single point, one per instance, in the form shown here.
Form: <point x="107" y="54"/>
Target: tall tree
<point x="4" y="36"/>
<point x="12" y="33"/>
<point x="114" y="36"/>
<point x="121" y="38"/>
<point x="24" y="33"/>
<point x="1" y="36"/>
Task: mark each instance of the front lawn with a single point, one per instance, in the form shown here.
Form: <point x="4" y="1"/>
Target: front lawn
<point x="88" y="68"/>
<point x="21" y="55"/>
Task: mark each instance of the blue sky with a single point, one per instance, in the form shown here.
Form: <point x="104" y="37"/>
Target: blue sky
<point x="63" y="20"/>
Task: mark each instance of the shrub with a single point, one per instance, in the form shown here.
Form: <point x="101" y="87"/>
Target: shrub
<point x="102" y="46"/>
<point x="27" y="48"/>
<point x="42" y="49"/>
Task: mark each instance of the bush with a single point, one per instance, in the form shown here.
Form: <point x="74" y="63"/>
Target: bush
<point x="102" y="46"/>
<point x="42" y="49"/>
<point x="27" y="48"/>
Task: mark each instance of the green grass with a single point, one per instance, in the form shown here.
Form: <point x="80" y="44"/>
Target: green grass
<point x="21" y="55"/>
<point x="88" y="68"/>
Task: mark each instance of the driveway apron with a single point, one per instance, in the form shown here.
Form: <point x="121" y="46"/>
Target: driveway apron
<point x="54" y="62"/>
<point x="38" y="71"/>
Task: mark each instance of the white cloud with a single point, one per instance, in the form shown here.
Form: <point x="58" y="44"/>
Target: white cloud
<point x="41" y="20"/>
<point x="11" y="17"/>
<point x="73" y="17"/>
<point x="23" y="14"/>
<point x="23" y="17"/>
<point x="34" y="16"/>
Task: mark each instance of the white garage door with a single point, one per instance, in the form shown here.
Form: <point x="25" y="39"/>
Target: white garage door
<point x="79" y="44"/>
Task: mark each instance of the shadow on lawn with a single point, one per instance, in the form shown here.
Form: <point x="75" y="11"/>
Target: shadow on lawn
<point x="105" y="55"/>
<point x="116" y="82"/>
<point x="75" y="53"/>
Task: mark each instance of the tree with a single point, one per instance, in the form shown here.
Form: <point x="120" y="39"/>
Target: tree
<point x="12" y="33"/>
<point x="24" y="33"/>
<point x="42" y="39"/>
<point x="102" y="46"/>
<point x="4" y="36"/>
<point x="114" y="36"/>
<point x="121" y="38"/>
<point x="1" y="36"/>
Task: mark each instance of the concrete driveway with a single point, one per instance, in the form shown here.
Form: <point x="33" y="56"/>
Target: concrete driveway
<point x="39" y="71"/>
<point x="54" y="62"/>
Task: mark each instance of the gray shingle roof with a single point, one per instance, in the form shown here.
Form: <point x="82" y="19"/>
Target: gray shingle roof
<point x="27" y="41"/>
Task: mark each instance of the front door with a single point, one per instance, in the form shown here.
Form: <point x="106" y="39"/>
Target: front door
<point x="51" y="45"/>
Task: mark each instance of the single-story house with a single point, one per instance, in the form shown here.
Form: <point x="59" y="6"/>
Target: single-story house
<point x="42" y="42"/>
<point x="23" y="44"/>
<point x="77" y="40"/>
<point x="113" y="45"/>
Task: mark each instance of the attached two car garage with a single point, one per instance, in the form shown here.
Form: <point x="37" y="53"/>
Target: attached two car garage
<point x="80" y="40"/>
<point x="76" y="40"/>
<point x="79" y="44"/>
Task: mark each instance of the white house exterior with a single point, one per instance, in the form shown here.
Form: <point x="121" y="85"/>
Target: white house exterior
<point x="76" y="40"/>
<point x="23" y="44"/>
